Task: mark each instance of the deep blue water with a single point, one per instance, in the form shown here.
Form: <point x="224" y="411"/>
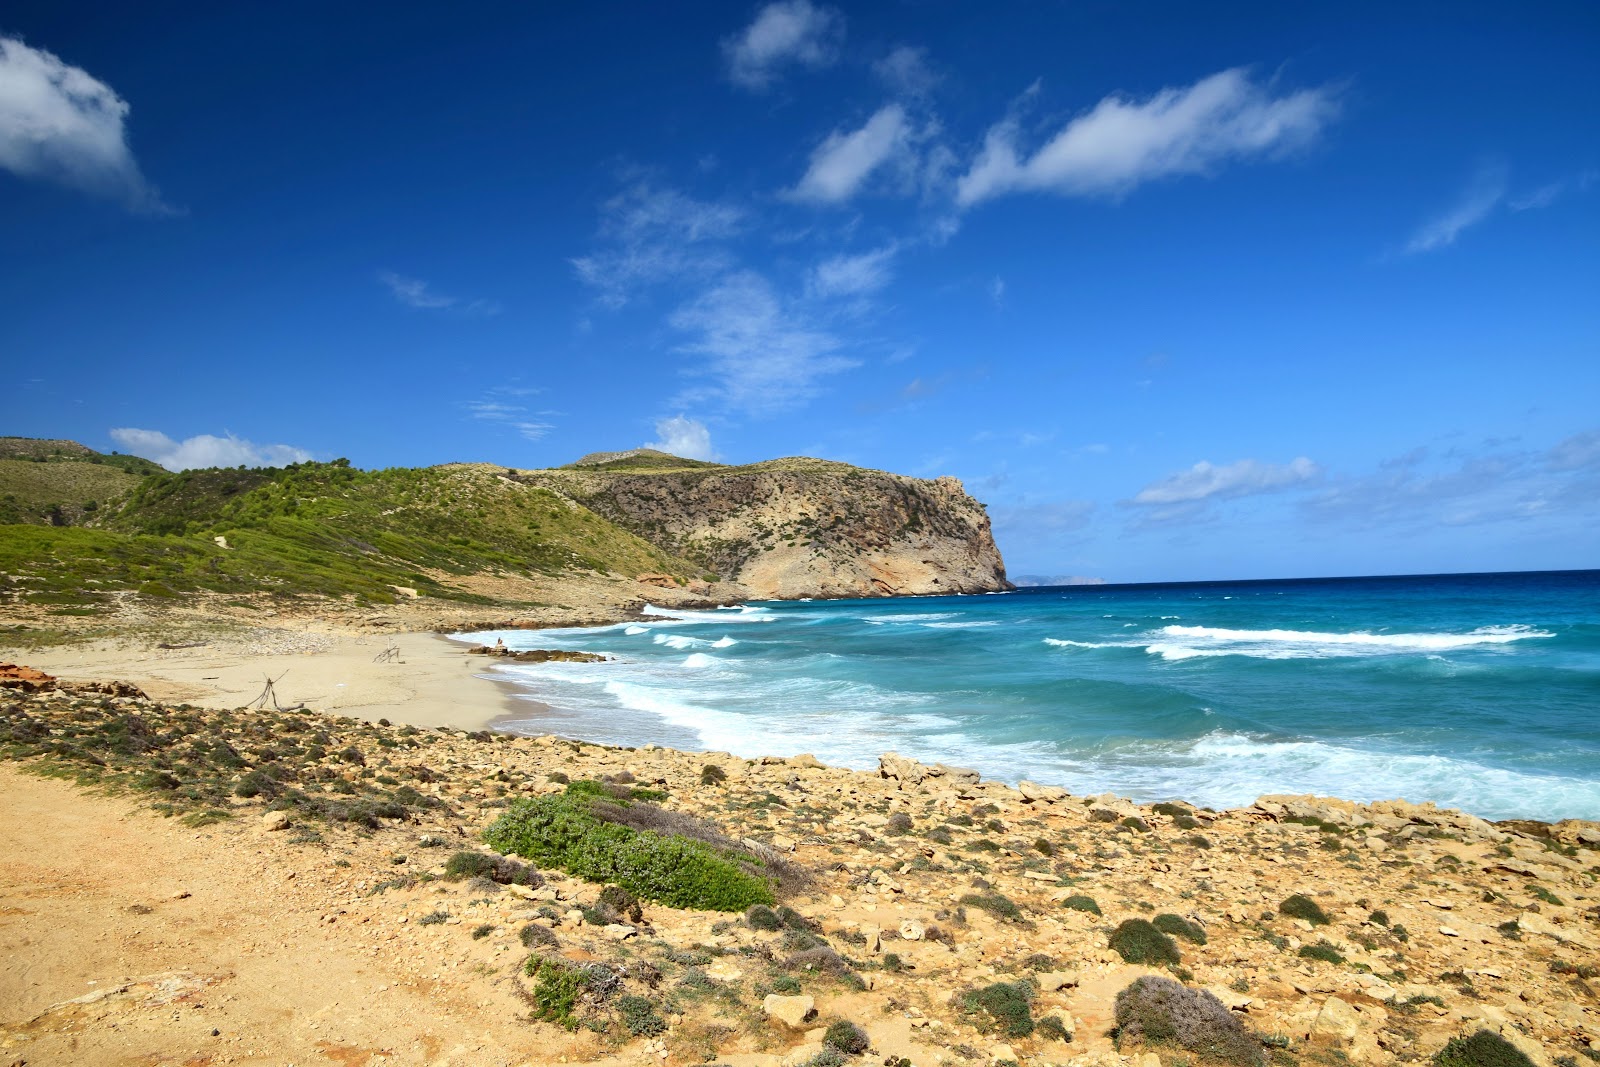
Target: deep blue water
<point x="1475" y="691"/>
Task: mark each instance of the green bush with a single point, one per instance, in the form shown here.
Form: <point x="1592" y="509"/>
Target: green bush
<point x="1079" y="902"/>
<point x="711" y="774"/>
<point x="1482" y="1049"/>
<point x="1303" y="907"/>
<point x="847" y="1037"/>
<point x="1321" y="951"/>
<point x="1007" y="1006"/>
<point x="761" y="917"/>
<point x="556" y="989"/>
<point x="1178" y="926"/>
<point x="1175" y="811"/>
<point x="639" y="1016"/>
<point x="1157" y="1011"/>
<point x="1138" y="941"/>
<point x="1051" y="1027"/>
<point x="1001" y="907"/>
<point x="561" y="831"/>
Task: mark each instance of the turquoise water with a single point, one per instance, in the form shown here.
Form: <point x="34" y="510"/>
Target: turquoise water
<point x="1474" y="691"/>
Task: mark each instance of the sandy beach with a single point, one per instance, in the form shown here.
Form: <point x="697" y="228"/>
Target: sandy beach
<point x="428" y="681"/>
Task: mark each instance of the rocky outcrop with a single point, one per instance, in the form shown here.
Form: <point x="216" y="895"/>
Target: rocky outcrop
<point x="793" y="528"/>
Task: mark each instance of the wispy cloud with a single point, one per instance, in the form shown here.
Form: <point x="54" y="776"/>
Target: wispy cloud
<point x="1483" y="193"/>
<point x="853" y="275"/>
<point x="1550" y="192"/>
<point x="844" y="161"/>
<point x="205" y="450"/>
<point x="784" y="34"/>
<point x="59" y="123"/>
<point x="1208" y="481"/>
<point x="416" y="293"/>
<point x="906" y="71"/>
<point x="759" y="355"/>
<point x="502" y="405"/>
<point x="683" y="436"/>
<point x="655" y="235"/>
<point x="1122" y="143"/>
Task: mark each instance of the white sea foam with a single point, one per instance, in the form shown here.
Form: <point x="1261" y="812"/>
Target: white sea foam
<point x="1202" y="641"/>
<point x="721" y="616"/>
<point x="679" y="641"/>
<point x="635" y="631"/>
<point x="1062" y="642"/>
<point x="700" y="660"/>
<point x="967" y="625"/>
<point x="925" y="616"/>
<point x="724" y="642"/>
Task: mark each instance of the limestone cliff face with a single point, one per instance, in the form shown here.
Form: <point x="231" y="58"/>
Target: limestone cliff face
<point x="793" y="528"/>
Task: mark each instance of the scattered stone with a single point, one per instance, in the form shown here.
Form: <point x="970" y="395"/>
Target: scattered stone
<point x="275" y="820"/>
<point x="792" y="1012"/>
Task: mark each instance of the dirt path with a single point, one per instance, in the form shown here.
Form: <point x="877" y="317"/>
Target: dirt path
<point x="128" y="939"/>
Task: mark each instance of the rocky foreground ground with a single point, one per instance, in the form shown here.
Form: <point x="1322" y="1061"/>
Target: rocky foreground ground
<point x="946" y="920"/>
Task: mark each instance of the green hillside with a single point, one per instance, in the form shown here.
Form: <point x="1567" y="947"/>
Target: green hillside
<point x="61" y="483"/>
<point x="314" y="528"/>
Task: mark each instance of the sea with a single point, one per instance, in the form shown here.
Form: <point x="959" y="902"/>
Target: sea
<point x="1474" y="691"/>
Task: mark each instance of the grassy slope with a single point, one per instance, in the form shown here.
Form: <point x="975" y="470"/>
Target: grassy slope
<point x="318" y="528"/>
<point x="50" y="482"/>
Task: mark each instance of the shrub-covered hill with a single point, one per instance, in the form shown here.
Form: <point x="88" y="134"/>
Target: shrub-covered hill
<point x="784" y="528"/>
<point x="318" y="528"/>
<point x="61" y="483"/>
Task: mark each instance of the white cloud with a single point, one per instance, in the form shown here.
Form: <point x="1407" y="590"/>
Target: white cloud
<point x="905" y="70"/>
<point x="1482" y="194"/>
<point x="1247" y="477"/>
<point x="683" y="436"/>
<point x="59" y="123"/>
<point x="656" y="235"/>
<point x="205" y="450"/>
<point x="414" y="292"/>
<point x="856" y="275"/>
<point x="1122" y="143"/>
<point x="760" y="356"/>
<point x="844" y="161"/>
<point x="784" y="33"/>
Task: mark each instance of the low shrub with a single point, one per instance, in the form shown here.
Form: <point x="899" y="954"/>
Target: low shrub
<point x="711" y="774"/>
<point x="1001" y="907"/>
<point x="847" y="1037"/>
<point x="1006" y="1005"/>
<point x="1156" y="1011"/>
<point x="1380" y="917"/>
<point x="1482" y="1049"/>
<point x="556" y="989"/>
<point x="1303" y="907"/>
<point x="898" y="823"/>
<point x="1176" y="811"/>
<point x="535" y="935"/>
<point x="1178" y="926"/>
<point x="621" y="904"/>
<point x="1052" y="1028"/>
<point x="499" y="869"/>
<point x="1079" y="902"/>
<point x="1321" y="951"/>
<point x="761" y="917"/>
<point x="1138" y="941"/>
<point x="639" y="1016"/>
<point x="562" y="831"/>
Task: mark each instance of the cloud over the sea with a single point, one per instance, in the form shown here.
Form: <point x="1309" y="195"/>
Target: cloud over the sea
<point x="205" y="450"/>
<point x="783" y="34"/>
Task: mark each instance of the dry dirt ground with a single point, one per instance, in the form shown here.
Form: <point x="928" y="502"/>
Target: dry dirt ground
<point x="129" y="939"/>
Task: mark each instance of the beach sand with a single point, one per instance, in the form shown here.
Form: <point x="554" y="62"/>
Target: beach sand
<point x="429" y="681"/>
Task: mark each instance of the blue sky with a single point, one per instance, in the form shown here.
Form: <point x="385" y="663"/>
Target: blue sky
<point x="1246" y="290"/>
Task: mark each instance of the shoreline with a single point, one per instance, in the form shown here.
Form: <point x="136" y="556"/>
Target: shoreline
<point x="434" y="683"/>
